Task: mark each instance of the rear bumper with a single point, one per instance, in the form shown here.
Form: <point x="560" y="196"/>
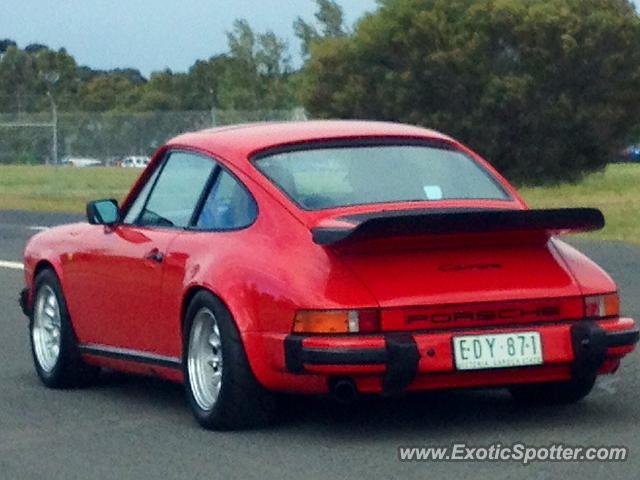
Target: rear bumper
<point x="420" y="360"/>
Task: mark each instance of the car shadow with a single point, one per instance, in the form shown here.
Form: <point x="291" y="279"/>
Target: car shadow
<point x="454" y="412"/>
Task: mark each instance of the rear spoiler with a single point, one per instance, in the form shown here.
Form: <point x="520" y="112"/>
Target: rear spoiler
<point x="439" y="222"/>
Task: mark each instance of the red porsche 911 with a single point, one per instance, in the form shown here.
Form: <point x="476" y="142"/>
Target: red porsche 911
<point x="322" y="258"/>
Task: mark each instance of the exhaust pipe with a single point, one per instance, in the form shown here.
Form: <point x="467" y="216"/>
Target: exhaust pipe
<point x="343" y="390"/>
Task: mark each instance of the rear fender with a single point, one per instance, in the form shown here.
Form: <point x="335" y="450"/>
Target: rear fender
<point x="590" y="277"/>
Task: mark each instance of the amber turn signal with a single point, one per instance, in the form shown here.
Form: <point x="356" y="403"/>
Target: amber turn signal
<point x="336" y="321"/>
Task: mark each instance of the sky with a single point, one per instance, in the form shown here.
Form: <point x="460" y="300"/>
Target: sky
<point x="151" y="35"/>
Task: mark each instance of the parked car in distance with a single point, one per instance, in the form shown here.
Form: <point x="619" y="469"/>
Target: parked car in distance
<point x="328" y="257"/>
<point x="632" y="153"/>
<point x="135" y="162"/>
<point x="81" y="162"/>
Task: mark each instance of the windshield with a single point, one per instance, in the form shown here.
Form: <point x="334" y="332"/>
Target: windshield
<point x="322" y="178"/>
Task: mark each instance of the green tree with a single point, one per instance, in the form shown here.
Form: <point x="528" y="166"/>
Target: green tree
<point x="257" y="74"/>
<point x="330" y="19"/>
<point x="5" y="43"/>
<point x="546" y="89"/>
<point x="164" y="91"/>
<point x="104" y="93"/>
<point x="204" y="81"/>
<point x="57" y="74"/>
<point x="18" y="80"/>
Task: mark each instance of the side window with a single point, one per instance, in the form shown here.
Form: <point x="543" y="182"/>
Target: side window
<point x="138" y="203"/>
<point x="177" y="191"/>
<point x="228" y="206"/>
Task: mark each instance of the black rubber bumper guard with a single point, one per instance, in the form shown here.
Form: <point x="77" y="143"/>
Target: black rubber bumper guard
<point x="400" y="354"/>
<point x="590" y="344"/>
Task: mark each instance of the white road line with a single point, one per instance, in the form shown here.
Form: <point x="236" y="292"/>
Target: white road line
<point x="12" y="265"/>
<point x="37" y="228"/>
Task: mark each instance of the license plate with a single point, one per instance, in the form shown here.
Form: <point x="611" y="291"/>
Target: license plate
<point x="478" y="352"/>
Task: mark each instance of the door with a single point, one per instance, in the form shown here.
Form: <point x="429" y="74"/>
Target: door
<point x="117" y="282"/>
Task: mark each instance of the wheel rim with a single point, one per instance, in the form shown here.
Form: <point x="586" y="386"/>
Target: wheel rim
<point x="46" y="328"/>
<point x="204" y="361"/>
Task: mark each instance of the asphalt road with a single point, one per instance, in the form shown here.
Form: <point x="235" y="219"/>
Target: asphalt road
<point x="140" y="428"/>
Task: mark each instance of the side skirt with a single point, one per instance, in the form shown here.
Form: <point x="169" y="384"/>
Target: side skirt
<point x="131" y="356"/>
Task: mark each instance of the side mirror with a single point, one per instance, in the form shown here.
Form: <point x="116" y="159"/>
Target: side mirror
<point x="103" y="212"/>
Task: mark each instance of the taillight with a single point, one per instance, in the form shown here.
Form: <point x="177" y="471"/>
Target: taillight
<point x="602" y="306"/>
<point x="337" y="321"/>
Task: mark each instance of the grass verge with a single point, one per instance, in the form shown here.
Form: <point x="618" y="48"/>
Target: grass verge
<point x="61" y="189"/>
<point x="616" y="191"/>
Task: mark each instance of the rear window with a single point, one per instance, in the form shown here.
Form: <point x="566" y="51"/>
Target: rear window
<point x="330" y="177"/>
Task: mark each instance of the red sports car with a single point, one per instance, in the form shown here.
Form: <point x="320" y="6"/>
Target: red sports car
<point x="322" y="257"/>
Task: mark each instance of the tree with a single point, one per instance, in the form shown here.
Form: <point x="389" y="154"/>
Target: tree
<point x="546" y="89"/>
<point x="18" y="80"/>
<point x="5" y="44"/>
<point x="104" y="93"/>
<point x="330" y="18"/>
<point x="35" y="48"/>
<point x="256" y="76"/>
<point x="204" y="83"/>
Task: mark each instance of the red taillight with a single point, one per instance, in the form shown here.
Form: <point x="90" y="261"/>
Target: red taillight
<point x="602" y="306"/>
<point x="369" y="321"/>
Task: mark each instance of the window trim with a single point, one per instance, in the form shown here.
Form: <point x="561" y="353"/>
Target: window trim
<point x="371" y="142"/>
<point x="206" y="191"/>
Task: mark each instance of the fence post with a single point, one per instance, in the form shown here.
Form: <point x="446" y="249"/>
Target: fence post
<point x="54" y="125"/>
<point x="213" y="116"/>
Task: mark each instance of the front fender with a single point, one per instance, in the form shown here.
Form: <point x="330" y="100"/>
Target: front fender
<point x="50" y="248"/>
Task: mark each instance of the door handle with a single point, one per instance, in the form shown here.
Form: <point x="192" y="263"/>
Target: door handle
<point x="155" y="255"/>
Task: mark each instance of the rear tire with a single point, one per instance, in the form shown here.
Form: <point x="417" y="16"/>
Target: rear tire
<point x="221" y="388"/>
<point x="554" y="393"/>
<point x="53" y="343"/>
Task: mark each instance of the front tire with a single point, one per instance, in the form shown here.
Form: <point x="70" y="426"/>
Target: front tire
<point x="554" y="393"/>
<point x="53" y="343"/>
<point x="221" y="388"/>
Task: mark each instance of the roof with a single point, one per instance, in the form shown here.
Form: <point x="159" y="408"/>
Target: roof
<point x="246" y="139"/>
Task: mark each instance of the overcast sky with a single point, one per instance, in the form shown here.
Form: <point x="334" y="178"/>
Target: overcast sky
<point x="151" y="34"/>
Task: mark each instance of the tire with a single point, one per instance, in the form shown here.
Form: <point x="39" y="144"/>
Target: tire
<point x="53" y="343"/>
<point x="554" y="393"/>
<point x="213" y="350"/>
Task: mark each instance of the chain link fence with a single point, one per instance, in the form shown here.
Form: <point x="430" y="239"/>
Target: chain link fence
<point x="49" y="138"/>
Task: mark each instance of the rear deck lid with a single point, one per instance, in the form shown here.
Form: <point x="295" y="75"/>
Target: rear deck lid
<point x="470" y="268"/>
